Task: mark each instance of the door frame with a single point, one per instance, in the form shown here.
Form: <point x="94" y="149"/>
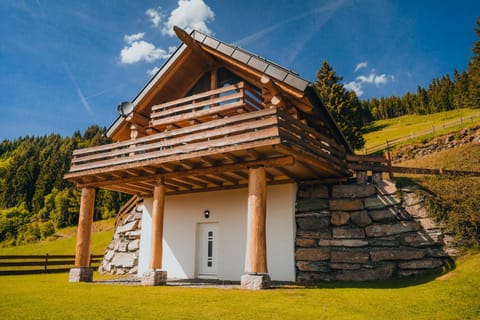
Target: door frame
<point x="200" y="274"/>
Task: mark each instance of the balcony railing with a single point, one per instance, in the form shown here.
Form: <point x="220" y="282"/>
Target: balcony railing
<point x="217" y="122"/>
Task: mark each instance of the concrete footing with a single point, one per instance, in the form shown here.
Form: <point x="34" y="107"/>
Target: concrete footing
<point x="255" y="281"/>
<point x="154" y="278"/>
<point x="80" y="275"/>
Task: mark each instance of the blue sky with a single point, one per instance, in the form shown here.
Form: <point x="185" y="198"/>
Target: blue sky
<point x="65" y="65"/>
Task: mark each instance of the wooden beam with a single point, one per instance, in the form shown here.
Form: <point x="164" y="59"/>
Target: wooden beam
<point x="286" y="173"/>
<point x="84" y="232"/>
<point x="180" y="184"/>
<point x="138" y="119"/>
<point x="273" y="162"/>
<point x="256" y="248"/>
<point x="157" y="226"/>
<point x="191" y="43"/>
<point x="227" y="178"/>
<point x="187" y="164"/>
<point x="190" y="181"/>
<point x="208" y="161"/>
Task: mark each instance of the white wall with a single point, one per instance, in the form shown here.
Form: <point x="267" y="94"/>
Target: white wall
<point x="229" y="209"/>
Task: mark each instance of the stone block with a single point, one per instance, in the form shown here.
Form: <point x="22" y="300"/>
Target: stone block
<point x="345" y="266"/>
<point x="349" y="243"/>
<point x="134" y="245"/>
<point x="255" y="281"/>
<point x="374" y="203"/>
<point x="311" y="277"/>
<point x="417" y="211"/>
<point x="378" y="273"/>
<point x="131" y="226"/>
<point x="349" y="256"/>
<point x="381" y="230"/>
<point x="122" y="246"/>
<point x="417" y="240"/>
<point x="360" y="218"/>
<point x="109" y="255"/>
<point x="312" y="254"/>
<point x="340" y="218"/>
<point x="409" y="273"/>
<point x="80" y="275"/>
<point x="311" y="204"/>
<point x="384" y="242"/>
<point x="312" y="266"/>
<point x="133" y="234"/>
<point x="348" y="233"/>
<point x="314" y="234"/>
<point x="383" y="215"/>
<point x="123" y="259"/>
<point x="154" y="278"/>
<point x="313" y="223"/>
<point x="305" y="243"/>
<point x="351" y="191"/>
<point x="397" y="254"/>
<point x="313" y="191"/>
<point x="429" y="263"/>
<point x="437" y="252"/>
<point x="346" y="205"/>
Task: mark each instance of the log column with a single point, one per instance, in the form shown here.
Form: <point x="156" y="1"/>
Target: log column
<point x="82" y="271"/>
<point x="156" y="276"/>
<point x="256" y="270"/>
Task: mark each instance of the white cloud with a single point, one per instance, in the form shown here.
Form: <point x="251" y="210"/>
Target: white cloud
<point x="153" y="71"/>
<point x="134" y="37"/>
<point x="189" y="15"/>
<point x="375" y="78"/>
<point x="358" y="85"/>
<point x="355" y="86"/>
<point x="141" y="51"/>
<point x="155" y="16"/>
<point x="361" y="65"/>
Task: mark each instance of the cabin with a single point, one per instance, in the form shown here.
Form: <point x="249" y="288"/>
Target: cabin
<point x="215" y="145"/>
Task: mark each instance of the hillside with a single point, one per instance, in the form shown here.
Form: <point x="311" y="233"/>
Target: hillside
<point x="453" y="200"/>
<point x="415" y="128"/>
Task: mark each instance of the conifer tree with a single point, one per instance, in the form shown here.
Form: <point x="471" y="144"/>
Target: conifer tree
<point x="344" y="106"/>
<point x="474" y="72"/>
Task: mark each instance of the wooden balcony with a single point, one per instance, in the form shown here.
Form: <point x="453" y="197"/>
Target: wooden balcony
<point x="207" y="142"/>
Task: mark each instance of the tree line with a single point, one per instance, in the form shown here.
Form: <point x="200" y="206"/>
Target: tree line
<point x="442" y="94"/>
<point x="35" y="200"/>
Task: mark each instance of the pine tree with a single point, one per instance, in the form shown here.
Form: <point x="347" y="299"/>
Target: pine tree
<point x="344" y="106"/>
<point x="473" y="100"/>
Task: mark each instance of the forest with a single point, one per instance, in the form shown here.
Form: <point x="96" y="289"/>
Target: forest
<point x="35" y="200"/>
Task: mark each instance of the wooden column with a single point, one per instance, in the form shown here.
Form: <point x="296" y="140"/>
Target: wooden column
<point x="84" y="231"/>
<point x="157" y="226"/>
<point x="256" y="252"/>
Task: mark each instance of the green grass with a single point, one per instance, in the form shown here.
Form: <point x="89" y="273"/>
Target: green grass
<point x="65" y="243"/>
<point x="379" y="131"/>
<point x="452" y="296"/>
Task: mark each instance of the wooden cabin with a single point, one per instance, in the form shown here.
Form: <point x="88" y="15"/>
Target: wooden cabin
<point x="215" y="144"/>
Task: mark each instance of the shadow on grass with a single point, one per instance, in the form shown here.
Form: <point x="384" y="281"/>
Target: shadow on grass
<point x="393" y="283"/>
<point x="373" y="127"/>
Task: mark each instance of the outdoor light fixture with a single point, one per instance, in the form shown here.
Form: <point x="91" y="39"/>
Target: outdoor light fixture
<point x="206" y="214"/>
<point x="125" y="108"/>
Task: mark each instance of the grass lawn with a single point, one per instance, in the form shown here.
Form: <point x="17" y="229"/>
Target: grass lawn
<point x="380" y="131"/>
<point x="65" y="243"/>
<point x="454" y="295"/>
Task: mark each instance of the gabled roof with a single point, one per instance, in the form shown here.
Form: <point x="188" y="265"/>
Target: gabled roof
<point x="287" y="79"/>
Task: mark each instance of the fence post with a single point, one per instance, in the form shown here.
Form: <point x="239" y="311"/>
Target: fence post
<point x="46" y="262"/>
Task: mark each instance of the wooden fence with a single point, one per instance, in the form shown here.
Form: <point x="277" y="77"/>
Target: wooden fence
<point x="34" y="264"/>
<point x="432" y="130"/>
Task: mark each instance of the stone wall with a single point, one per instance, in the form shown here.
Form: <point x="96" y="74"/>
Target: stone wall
<point x="353" y="232"/>
<point x="121" y="255"/>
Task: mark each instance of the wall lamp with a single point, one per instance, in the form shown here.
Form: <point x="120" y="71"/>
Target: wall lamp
<point x="206" y="214"/>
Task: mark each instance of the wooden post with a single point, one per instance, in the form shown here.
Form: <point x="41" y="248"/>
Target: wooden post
<point x="256" y="253"/>
<point x="256" y="276"/>
<point x="157" y="226"/>
<point x="84" y="231"/>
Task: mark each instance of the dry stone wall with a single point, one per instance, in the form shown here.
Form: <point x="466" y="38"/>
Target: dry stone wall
<point x="121" y="255"/>
<point x="353" y="232"/>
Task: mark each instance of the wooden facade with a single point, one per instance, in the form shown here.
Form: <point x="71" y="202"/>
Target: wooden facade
<point x="211" y="117"/>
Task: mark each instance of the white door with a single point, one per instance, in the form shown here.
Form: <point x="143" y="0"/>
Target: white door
<point x="207" y="250"/>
